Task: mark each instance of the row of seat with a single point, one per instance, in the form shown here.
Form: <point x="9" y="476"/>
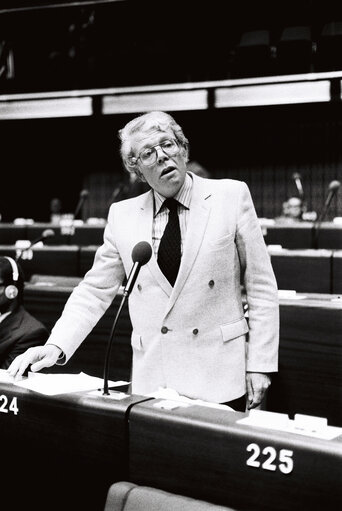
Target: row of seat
<point x="309" y="352"/>
<point x="296" y="50"/>
<point x="308" y="270"/>
<point x="298" y="235"/>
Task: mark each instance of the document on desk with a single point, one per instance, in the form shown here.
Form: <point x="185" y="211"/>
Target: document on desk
<point x="58" y="383"/>
<point x="172" y="399"/>
<point x="316" y="427"/>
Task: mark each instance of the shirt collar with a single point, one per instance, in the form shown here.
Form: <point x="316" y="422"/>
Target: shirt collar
<point x="183" y="196"/>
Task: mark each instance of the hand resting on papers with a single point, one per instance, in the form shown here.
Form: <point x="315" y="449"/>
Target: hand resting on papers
<point x="38" y="357"/>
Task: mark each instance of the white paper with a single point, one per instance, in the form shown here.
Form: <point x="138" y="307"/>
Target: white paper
<point x="5" y="377"/>
<point x="172" y="395"/>
<point x="281" y="422"/>
<point x="290" y="294"/>
<point x="62" y="383"/>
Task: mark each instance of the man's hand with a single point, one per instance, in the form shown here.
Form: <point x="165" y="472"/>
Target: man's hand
<point x="39" y="357"/>
<point x="257" y="384"/>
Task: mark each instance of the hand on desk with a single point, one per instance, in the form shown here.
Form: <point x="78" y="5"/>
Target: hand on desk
<point x="39" y="357"/>
<point x="257" y="384"/>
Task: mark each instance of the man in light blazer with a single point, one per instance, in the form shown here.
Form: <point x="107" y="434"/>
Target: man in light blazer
<point x="191" y="335"/>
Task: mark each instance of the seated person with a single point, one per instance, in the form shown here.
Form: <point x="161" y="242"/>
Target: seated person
<point x="292" y="210"/>
<point x="18" y="329"/>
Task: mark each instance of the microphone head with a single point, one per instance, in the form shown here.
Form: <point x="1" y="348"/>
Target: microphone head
<point x="334" y="185"/>
<point x="296" y="175"/>
<point x="84" y="194"/>
<point x="141" y="252"/>
<point x="48" y="233"/>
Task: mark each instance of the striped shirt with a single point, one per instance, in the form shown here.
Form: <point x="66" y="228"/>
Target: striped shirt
<point x="161" y="214"/>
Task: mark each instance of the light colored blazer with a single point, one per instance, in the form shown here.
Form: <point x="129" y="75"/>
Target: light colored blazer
<point x="193" y="337"/>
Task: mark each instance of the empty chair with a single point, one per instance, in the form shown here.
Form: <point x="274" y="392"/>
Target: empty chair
<point x="253" y="54"/>
<point x="294" y="50"/>
<point x="329" y="47"/>
<point x="125" y="496"/>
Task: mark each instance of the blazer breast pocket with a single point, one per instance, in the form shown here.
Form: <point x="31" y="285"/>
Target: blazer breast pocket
<point x="222" y="242"/>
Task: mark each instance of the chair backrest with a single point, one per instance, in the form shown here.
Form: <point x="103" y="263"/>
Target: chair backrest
<point x="125" y="496"/>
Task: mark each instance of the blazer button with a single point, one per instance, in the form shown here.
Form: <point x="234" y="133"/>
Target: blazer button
<point x="195" y="331"/>
<point x="211" y="283"/>
<point x="139" y="287"/>
<point x="164" y="330"/>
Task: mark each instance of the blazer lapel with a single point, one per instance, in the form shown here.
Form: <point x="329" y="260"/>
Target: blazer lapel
<point x="198" y="219"/>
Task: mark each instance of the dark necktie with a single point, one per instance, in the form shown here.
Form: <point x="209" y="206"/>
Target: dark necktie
<point x="169" y="253"/>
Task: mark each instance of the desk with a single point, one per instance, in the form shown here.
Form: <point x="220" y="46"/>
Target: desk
<point x="300" y="235"/>
<point x="10" y="233"/>
<point x="62" y="452"/>
<point x="337" y="272"/>
<point x="330" y="236"/>
<point x="289" y="236"/>
<point x="46" y="303"/>
<point x="309" y="380"/>
<point x="83" y="235"/>
<point x="202" y="452"/>
<point x="59" y="260"/>
<point x="310" y="354"/>
<point x="87" y="255"/>
<point x="304" y="270"/>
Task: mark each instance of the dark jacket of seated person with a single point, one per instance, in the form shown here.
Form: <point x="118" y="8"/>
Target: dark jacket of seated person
<point x="19" y="330"/>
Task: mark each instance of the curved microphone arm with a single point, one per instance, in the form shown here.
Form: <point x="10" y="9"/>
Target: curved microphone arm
<point x="141" y="254"/>
<point x="109" y="348"/>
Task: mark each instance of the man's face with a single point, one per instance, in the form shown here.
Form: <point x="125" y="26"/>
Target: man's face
<point x="167" y="174"/>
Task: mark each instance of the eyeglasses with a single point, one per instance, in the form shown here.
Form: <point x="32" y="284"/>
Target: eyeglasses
<point x="149" y="155"/>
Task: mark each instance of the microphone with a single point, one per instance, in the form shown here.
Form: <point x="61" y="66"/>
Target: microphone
<point x="141" y="254"/>
<point x="332" y="190"/>
<point x="298" y="181"/>
<point x="47" y="233"/>
<point x="83" y="196"/>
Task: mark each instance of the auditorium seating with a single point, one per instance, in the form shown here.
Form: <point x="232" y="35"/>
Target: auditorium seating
<point x="308" y="271"/>
<point x="337" y="272"/>
<point x="304" y="270"/>
<point x="309" y="352"/>
<point x="126" y="496"/>
<point x="253" y="54"/>
<point x="294" y="50"/>
<point x="329" y="47"/>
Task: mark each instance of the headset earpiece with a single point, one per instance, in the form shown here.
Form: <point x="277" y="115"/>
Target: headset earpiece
<point x="11" y="291"/>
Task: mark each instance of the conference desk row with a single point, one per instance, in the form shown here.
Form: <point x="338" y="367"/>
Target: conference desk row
<point x="297" y="235"/>
<point x="309" y="380"/>
<point x="64" y="452"/>
<point x="308" y="270"/>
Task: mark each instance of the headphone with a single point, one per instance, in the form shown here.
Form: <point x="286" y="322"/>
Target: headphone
<point x="11" y="291"/>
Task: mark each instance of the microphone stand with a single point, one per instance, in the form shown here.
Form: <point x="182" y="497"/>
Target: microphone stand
<point x="109" y="347"/>
<point x="141" y="254"/>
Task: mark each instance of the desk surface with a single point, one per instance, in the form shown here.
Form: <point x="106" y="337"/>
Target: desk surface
<point x="204" y="453"/>
<point x="62" y="452"/>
